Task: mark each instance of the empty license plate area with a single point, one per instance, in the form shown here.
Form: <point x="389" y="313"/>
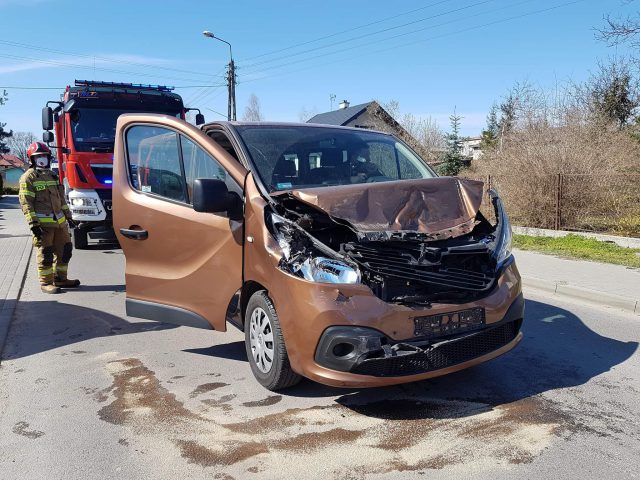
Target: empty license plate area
<point x="449" y="323"/>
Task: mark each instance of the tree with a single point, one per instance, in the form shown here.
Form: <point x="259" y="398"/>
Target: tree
<point x="252" y="113"/>
<point x="3" y="134"/>
<point x="620" y="31"/>
<point x="453" y="158"/>
<point x="305" y="114"/>
<point x="508" y="114"/>
<point x="613" y="93"/>
<point x="19" y="143"/>
<point x="490" y="134"/>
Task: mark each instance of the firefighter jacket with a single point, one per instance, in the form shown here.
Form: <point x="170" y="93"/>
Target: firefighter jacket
<point x="42" y="198"/>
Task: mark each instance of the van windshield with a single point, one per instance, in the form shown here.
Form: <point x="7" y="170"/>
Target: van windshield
<point x="293" y="157"/>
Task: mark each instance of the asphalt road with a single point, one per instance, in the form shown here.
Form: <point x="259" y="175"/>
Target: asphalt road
<point x="86" y="392"/>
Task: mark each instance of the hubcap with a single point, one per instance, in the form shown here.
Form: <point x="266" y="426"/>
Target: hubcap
<point x="261" y="340"/>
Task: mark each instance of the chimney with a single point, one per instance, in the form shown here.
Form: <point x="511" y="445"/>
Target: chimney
<point x="343" y="104"/>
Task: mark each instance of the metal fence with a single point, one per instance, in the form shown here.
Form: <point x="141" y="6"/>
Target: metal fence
<point x="606" y="203"/>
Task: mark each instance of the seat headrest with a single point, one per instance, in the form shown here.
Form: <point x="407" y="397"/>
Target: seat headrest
<point x="332" y="158"/>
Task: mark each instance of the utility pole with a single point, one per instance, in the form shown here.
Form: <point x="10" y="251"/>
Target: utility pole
<point x="231" y="79"/>
<point x="332" y="97"/>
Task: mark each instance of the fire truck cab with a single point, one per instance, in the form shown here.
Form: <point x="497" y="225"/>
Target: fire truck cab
<point x="84" y="121"/>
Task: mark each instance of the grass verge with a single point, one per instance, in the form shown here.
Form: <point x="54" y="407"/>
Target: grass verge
<point x="575" y="246"/>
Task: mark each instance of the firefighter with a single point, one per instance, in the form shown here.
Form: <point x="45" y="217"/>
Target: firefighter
<point x="46" y="210"/>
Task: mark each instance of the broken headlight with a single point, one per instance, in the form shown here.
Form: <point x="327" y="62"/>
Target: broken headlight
<point x="303" y="255"/>
<point x="327" y="270"/>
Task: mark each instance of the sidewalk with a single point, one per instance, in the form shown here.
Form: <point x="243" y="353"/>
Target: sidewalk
<point x="610" y="285"/>
<point x="15" y="251"/>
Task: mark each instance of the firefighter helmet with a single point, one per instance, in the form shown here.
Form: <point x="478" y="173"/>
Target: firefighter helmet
<point x="38" y="148"/>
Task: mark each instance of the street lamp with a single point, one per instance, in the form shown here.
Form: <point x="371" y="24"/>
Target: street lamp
<point x="231" y="78"/>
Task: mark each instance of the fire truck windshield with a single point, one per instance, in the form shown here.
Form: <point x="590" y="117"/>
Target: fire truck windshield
<point x="94" y="129"/>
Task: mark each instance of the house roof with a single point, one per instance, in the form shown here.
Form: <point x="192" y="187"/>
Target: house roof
<point x="341" y="116"/>
<point x="9" y="161"/>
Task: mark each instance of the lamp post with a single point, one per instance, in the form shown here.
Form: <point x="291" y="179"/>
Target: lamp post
<point x="231" y="78"/>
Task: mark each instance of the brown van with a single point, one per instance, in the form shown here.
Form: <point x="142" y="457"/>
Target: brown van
<point x="338" y="251"/>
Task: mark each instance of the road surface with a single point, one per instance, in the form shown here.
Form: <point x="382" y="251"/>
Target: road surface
<point x="86" y="392"/>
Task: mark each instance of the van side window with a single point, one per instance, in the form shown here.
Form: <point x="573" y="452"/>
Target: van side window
<point x="154" y="162"/>
<point x="199" y="164"/>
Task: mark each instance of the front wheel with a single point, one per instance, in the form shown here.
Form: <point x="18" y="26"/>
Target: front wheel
<point x="265" y="346"/>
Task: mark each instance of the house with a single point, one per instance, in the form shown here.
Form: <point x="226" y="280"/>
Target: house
<point x="471" y="148"/>
<point x="11" y="168"/>
<point x="371" y="116"/>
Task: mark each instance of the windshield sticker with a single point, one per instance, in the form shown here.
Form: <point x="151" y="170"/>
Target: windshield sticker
<point x="281" y="186"/>
<point x="146" y="188"/>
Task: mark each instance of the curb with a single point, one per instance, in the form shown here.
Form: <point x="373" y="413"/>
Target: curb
<point x="11" y="302"/>
<point x="627" y="242"/>
<point x="579" y="293"/>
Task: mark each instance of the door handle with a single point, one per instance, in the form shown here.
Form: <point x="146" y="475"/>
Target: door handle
<point x="135" y="234"/>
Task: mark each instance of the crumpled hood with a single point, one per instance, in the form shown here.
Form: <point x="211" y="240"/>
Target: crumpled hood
<point x="442" y="207"/>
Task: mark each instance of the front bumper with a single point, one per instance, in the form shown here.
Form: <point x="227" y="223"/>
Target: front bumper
<point x="365" y="351"/>
<point x="308" y="310"/>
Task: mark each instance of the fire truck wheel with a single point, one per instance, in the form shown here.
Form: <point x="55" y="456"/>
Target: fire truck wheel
<point x="80" y="240"/>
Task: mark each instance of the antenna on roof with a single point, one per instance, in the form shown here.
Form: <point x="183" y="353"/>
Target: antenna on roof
<point x="332" y="97"/>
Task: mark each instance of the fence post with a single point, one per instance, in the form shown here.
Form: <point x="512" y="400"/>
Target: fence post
<point x="557" y="220"/>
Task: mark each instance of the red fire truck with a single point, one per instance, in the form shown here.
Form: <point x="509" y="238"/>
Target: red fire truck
<point x="84" y="121"/>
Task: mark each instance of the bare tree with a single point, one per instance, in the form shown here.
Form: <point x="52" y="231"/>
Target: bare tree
<point x="618" y="30"/>
<point x="252" y="113"/>
<point x="306" y="113"/>
<point x="424" y="130"/>
<point x="19" y="143"/>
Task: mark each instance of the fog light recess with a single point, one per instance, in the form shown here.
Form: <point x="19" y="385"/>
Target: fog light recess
<point x="343" y="349"/>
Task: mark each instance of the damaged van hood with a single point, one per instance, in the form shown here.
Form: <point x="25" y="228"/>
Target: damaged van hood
<point x="441" y="207"/>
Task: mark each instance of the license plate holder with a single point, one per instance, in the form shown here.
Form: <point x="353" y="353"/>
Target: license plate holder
<point x="449" y="323"/>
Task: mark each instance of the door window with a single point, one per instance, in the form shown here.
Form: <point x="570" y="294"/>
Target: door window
<point x="154" y="162"/>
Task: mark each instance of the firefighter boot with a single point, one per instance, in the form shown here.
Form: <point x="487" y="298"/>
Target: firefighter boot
<point x="49" y="288"/>
<point x="66" y="283"/>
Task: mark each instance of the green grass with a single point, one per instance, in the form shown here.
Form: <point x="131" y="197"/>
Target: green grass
<point x="575" y="246"/>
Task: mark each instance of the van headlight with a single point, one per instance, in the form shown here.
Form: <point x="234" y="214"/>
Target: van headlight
<point x="302" y="255"/>
<point x="328" y="270"/>
<point x="504" y="235"/>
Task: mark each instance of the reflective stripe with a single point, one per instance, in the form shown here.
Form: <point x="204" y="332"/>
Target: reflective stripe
<point x="46" y="183"/>
<point x="27" y="193"/>
<point x="65" y="207"/>
<point x="51" y="220"/>
<point x="45" y="272"/>
<point x="31" y="216"/>
<point x="50" y="215"/>
<point x="61" y="268"/>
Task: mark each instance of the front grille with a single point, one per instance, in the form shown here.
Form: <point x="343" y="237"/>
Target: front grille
<point x="443" y="355"/>
<point x="407" y="265"/>
<point x="103" y="173"/>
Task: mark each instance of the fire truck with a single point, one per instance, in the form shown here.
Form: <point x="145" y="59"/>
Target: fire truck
<point x="84" y="121"/>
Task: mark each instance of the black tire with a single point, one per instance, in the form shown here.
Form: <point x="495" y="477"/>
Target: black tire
<point x="80" y="239"/>
<point x="280" y="375"/>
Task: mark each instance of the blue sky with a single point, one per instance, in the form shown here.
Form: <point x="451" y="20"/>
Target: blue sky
<point x="462" y="54"/>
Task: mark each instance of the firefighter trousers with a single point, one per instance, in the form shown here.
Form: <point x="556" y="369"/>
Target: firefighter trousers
<point x="53" y="253"/>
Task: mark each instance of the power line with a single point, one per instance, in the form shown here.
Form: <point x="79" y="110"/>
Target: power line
<point x="104" y="59"/>
<point x="448" y="12"/>
<point x="476" y="27"/>
<point x="386" y="39"/>
<point x="349" y="30"/>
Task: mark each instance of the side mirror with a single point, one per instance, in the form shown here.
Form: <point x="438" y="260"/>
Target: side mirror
<point x="47" y="136"/>
<point x="199" y="119"/>
<point x="47" y="118"/>
<point x="212" y="195"/>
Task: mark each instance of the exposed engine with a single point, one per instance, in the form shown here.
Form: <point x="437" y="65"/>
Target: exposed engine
<point x="408" y="268"/>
